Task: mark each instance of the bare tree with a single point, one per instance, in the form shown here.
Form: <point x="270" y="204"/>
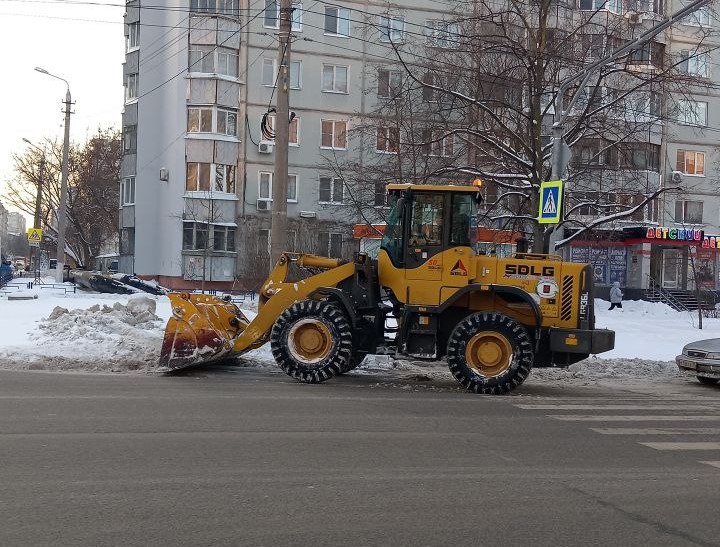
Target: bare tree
<point x="93" y="191"/>
<point x="475" y="98"/>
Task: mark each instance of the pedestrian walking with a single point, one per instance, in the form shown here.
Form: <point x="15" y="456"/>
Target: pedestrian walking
<point x="615" y="296"/>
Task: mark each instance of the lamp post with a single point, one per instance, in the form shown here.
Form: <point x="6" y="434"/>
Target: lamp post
<point x="62" y="206"/>
<point x="38" y="204"/>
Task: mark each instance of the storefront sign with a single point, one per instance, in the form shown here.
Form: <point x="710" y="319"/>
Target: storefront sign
<point x="679" y="234"/>
<point x="711" y="242"/>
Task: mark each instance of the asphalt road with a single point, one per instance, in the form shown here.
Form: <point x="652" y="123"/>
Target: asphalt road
<point x="251" y="458"/>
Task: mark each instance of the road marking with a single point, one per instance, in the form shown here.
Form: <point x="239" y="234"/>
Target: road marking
<point x="586" y="418"/>
<point x="684" y="446"/>
<point x="656" y="431"/>
<point x="714" y="464"/>
<point x="703" y="408"/>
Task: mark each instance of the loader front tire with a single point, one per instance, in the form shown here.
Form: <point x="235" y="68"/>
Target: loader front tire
<point x="490" y="353"/>
<point x="312" y="341"/>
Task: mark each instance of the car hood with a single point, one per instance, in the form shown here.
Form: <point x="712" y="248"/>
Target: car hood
<point x="712" y="344"/>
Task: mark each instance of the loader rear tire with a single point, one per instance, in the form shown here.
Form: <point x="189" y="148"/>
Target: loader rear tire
<point x="312" y="341"/>
<point x="490" y="353"/>
<point x="355" y="361"/>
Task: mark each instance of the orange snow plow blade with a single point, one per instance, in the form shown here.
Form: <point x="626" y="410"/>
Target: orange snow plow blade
<point x="201" y="330"/>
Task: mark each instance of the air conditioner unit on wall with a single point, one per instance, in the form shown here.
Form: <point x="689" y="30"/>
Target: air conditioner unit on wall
<point x="266" y="147"/>
<point x="262" y="205"/>
<point x="634" y="18"/>
<point x="676" y="177"/>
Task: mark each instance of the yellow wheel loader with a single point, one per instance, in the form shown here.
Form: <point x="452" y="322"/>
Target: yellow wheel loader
<point x="491" y="318"/>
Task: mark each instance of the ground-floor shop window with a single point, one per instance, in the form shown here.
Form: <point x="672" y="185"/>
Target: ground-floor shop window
<point x="609" y="264"/>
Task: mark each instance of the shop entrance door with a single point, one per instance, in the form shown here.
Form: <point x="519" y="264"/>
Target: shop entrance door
<point x="671" y="268"/>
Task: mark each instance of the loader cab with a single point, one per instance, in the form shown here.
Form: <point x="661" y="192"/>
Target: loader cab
<point x="425" y="220"/>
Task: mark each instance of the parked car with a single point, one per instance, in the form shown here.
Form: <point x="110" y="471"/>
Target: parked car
<point x="701" y="358"/>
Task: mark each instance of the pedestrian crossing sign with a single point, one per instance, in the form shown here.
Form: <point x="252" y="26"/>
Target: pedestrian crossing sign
<point x="34" y="236"/>
<point x="551" y="194"/>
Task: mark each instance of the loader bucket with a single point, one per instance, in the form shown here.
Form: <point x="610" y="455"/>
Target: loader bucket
<point x="201" y="330"/>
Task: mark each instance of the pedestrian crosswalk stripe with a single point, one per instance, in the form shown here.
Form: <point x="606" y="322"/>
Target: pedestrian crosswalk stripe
<point x="586" y="418"/>
<point x="713" y="463"/>
<point x="703" y="408"/>
<point x="656" y="431"/>
<point x="684" y="446"/>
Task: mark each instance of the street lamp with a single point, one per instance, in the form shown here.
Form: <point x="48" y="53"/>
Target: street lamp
<point x="38" y="203"/>
<point x="62" y="207"/>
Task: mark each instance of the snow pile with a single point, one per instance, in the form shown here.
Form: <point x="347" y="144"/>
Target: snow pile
<point x="112" y="338"/>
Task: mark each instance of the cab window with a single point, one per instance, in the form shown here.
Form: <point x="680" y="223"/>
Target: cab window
<point x="392" y="238"/>
<point x="461" y="220"/>
<point x="426" y="225"/>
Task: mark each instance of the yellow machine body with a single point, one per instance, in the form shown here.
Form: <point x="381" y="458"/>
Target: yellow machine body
<point x="428" y="276"/>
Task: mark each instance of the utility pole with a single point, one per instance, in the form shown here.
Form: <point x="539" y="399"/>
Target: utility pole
<point x="62" y="206"/>
<point x="278" y="232"/>
<point x="561" y="151"/>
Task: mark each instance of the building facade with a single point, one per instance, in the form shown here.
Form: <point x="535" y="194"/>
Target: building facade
<point x="197" y="172"/>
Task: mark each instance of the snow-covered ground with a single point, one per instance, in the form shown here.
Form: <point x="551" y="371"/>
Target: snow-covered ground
<point x="114" y="333"/>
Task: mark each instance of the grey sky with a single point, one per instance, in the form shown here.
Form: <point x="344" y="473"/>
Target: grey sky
<point x="60" y="37"/>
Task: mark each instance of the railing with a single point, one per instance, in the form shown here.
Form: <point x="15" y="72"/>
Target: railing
<point x="656" y="290"/>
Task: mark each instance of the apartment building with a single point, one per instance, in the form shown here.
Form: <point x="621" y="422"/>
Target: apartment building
<point x="16" y="224"/>
<point x="197" y="172"/>
<point x="672" y="242"/>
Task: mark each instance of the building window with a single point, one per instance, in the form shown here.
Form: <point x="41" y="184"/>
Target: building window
<point x="389" y="83"/>
<point x="437" y="143"/>
<point x="331" y="190"/>
<point x="690" y="162"/>
<point x="614" y="6"/>
<point x="699" y="18"/>
<point x="692" y="112"/>
<point x="652" y="53"/>
<point x="335" y="78"/>
<point x="200" y="120"/>
<point x="688" y="212"/>
<point x="225" y="7"/>
<point x="127" y="241"/>
<point x="444" y="34"/>
<point x="131" y="87"/>
<point x="334" y="134"/>
<point x="133" y="37"/>
<point x="227" y="122"/>
<point x="203" y="236"/>
<point x="294" y="129"/>
<point x="270" y="74"/>
<point x="428" y="93"/>
<point x="263" y="243"/>
<point x="337" y="21"/>
<point x="329" y="244"/>
<point x="202" y="59"/>
<point x="265" y="182"/>
<point x="227" y="61"/>
<point x="225" y="178"/>
<point x="128" y="191"/>
<point x="388" y="140"/>
<point x="392" y="29"/>
<point x="130" y="139"/>
<point x="272" y="15"/>
<point x="695" y="64"/>
<point x="224" y="238"/>
<point x="198" y="177"/>
<point x="380" y="198"/>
